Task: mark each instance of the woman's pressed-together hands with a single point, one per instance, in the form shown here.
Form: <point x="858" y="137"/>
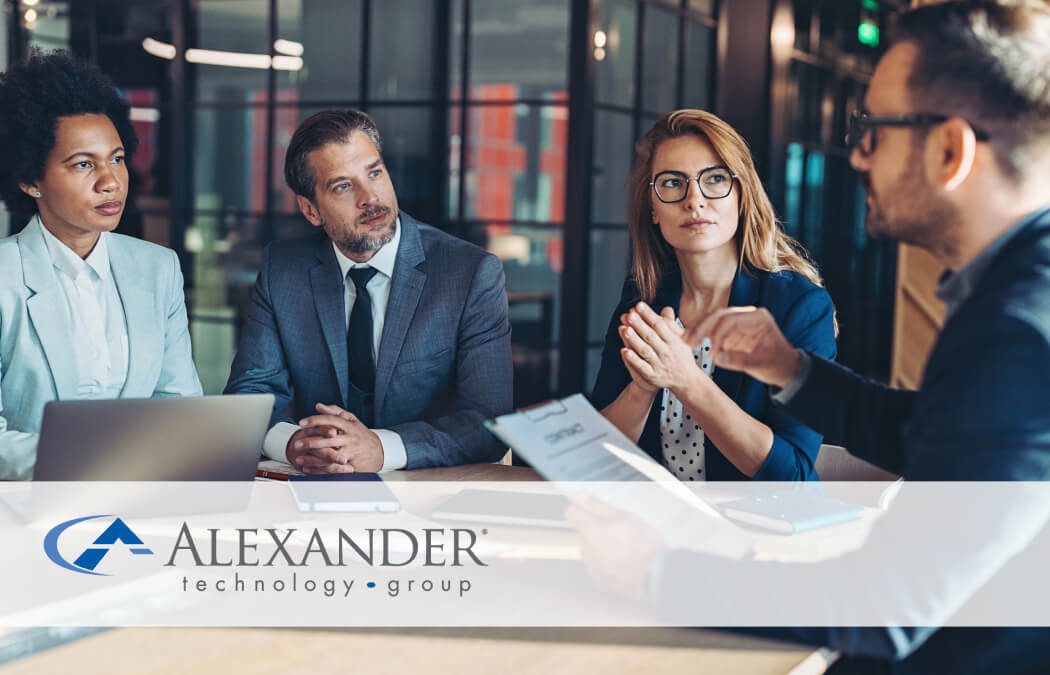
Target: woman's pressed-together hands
<point x="658" y="352"/>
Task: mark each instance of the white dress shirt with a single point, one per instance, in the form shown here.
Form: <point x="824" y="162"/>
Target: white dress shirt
<point x="680" y="435"/>
<point x="394" y="455"/>
<point x="96" y="314"/>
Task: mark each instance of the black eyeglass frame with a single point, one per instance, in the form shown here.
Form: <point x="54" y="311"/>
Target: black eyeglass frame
<point x="732" y="179"/>
<point x="861" y="124"/>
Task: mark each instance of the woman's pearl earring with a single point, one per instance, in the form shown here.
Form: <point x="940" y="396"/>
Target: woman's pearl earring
<point x="37" y="193"/>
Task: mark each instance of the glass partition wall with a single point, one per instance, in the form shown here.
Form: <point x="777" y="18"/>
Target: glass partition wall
<point x="508" y="123"/>
<point x="823" y="55"/>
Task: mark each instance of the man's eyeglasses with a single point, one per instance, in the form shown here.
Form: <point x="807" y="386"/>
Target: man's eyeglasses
<point x="715" y="182"/>
<point x="860" y="133"/>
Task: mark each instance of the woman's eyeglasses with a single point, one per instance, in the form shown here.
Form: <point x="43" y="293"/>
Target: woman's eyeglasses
<point x="715" y="182"/>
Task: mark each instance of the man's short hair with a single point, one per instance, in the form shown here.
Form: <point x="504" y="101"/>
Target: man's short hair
<point x="987" y="61"/>
<point x="317" y="131"/>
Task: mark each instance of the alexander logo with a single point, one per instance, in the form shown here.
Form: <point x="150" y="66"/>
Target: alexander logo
<point x="375" y="547"/>
<point x="117" y="533"/>
<point x="245" y="548"/>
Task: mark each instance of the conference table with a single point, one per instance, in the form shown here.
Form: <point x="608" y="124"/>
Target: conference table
<point x="406" y="650"/>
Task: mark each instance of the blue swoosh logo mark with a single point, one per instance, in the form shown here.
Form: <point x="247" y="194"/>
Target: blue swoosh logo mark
<point x="51" y="545"/>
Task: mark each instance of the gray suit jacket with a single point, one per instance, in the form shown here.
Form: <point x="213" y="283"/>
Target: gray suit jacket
<point x="36" y="362"/>
<point x="444" y="359"/>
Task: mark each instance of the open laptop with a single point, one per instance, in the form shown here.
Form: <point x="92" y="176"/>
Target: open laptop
<point x="154" y="439"/>
<point x="210" y="438"/>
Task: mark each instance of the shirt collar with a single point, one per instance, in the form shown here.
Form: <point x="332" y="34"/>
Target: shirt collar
<point x="954" y="287"/>
<point x="72" y="265"/>
<point x="383" y="260"/>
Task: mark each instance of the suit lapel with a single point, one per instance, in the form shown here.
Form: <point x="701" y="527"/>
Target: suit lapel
<point x="406" y="287"/>
<point x="140" y="317"/>
<point x="47" y="309"/>
<point x="745" y="293"/>
<point x="329" y="293"/>
<point x="669" y="294"/>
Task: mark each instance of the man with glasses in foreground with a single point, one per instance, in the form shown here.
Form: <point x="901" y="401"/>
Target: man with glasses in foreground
<point x="954" y="151"/>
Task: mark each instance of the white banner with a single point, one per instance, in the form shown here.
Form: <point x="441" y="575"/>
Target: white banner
<point x="500" y="554"/>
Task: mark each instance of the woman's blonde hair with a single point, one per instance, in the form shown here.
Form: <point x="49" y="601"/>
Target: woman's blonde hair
<point x="760" y="240"/>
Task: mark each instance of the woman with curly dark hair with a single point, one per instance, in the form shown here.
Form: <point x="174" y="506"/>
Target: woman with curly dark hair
<point x="84" y="313"/>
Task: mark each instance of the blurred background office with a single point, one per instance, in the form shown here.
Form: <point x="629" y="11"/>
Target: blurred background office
<point x="505" y="122"/>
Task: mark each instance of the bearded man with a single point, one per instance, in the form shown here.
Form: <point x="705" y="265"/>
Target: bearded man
<point x="385" y="340"/>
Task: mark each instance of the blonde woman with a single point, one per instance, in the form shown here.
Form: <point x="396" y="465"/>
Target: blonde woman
<point x="704" y="238"/>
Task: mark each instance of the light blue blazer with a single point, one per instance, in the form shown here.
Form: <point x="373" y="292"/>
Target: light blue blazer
<point x="36" y="362"/>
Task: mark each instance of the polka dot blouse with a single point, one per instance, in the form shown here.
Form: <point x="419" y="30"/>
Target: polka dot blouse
<point x="680" y="435"/>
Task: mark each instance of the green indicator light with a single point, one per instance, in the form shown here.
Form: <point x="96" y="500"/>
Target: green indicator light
<point x="870" y="5"/>
<point x="868" y="34"/>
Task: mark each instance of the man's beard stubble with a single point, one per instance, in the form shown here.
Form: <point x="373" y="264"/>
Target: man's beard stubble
<point x="918" y="216"/>
<point x="361" y="243"/>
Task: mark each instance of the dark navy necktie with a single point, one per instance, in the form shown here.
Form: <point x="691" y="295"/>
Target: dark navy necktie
<point x="359" y="337"/>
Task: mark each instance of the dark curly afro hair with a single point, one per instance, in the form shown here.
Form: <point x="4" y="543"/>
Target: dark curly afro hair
<point x="33" y="95"/>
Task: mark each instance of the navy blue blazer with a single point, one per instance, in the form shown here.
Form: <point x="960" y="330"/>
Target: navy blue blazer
<point x="444" y="363"/>
<point x="981" y="414"/>
<point x="805" y="314"/>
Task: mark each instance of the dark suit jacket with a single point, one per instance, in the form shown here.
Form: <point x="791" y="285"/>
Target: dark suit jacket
<point x="444" y="361"/>
<point x="982" y="413"/>
<point x="804" y="313"/>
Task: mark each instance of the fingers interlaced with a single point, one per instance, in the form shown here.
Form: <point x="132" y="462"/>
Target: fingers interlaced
<point x="320" y="430"/>
<point x="335" y="410"/>
<point x="334" y="421"/>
